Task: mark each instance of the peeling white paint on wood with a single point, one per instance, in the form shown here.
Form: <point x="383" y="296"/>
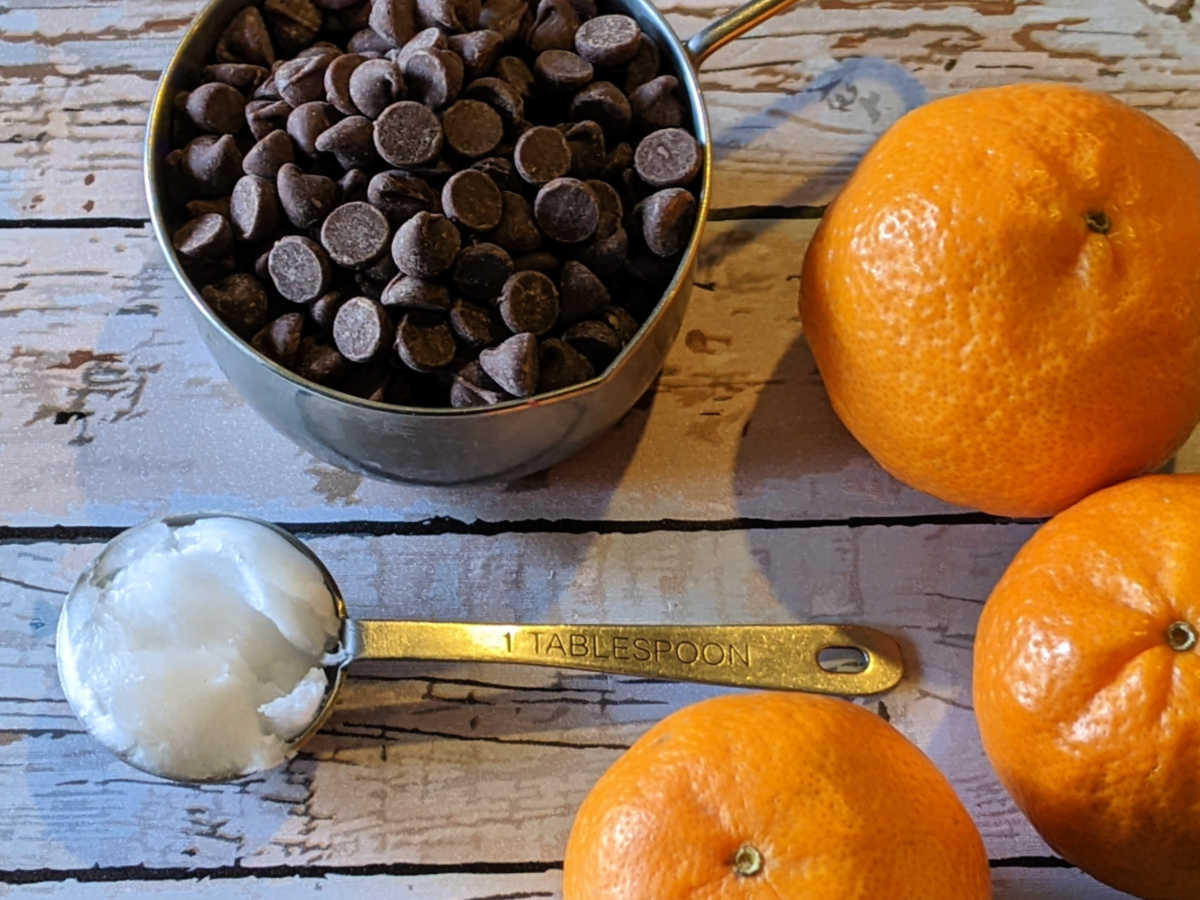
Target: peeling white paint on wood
<point x="792" y="105"/>
<point x="437" y="763"/>
<point x="112" y="410"/>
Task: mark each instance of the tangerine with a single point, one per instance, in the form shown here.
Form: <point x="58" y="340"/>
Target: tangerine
<point x="1004" y="300"/>
<point x="1087" y="684"/>
<point x="773" y="795"/>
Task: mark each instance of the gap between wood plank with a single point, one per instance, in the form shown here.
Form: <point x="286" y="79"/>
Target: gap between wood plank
<point x="440" y="525"/>
<point x="237" y="872"/>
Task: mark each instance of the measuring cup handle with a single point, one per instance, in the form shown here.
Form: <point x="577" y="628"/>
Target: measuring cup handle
<point x="704" y="42"/>
<point x="781" y="657"/>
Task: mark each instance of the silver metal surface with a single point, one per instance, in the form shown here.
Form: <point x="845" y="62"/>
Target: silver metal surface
<point x="444" y="446"/>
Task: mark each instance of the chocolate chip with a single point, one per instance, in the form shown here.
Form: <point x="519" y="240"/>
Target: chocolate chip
<point x="352" y="186"/>
<point x="367" y="41"/>
<point x="373" y="278"/>
<point x="423" y="345"/>
<point x="426" y="39"/>
<point x="621" y="322"/>
<point x="512" y="69"/>
<point x="500" y="96"/>
<point x="513" y="364"/>
<point x="306" y="199"/>
<point x="323" y="310"/>
<point x="566" y="210"/>
<point x="239" y="301"/>
<point x="426" y="245"/>
<point x="538" y="261"/>
<point x="611" y="209"/>
<point x="529" y="302"/>
<point x="351" y="141"/>
<point x="434" y="77"/>
<point x="371" y="382"/>
<point x="603" y="102"/>
<point x="393" y="20"/>
<point x="337" y="82"/>
<point x="588" y="156"/>
<point x="516" y="231"/>
<point x="585" y="9"/>
<point x="581" y="294"/>
<point x="279" y="340"/>
<point x="643" y="66"/>
<point x="362" y="329"/>
<point x="267" y="90"/>
<point x="561" y="366"/>
<point x="479" y="51"/>
<point x="554" y="27"/>
<point x="481" y="271"/>
<point x="608" y="41"/>
<point x="669" y="157"/>
<point x="299" y="269"/>
<point x="306" y="122"/>
<point x="501" y="171"/>
<point x="656" y="104"/>
<point x="219" y="205"/>
<point x="561" y="71"/>
<point x="667" y="220"/>
<point x="302" y="80"/>
<point x="216" y="108"/>
<point x="213" y="163"/>
<point x="320" y="363"/>
<point x="508" y="17"/>
<point x="595" y="340"/>
<point x="473" y="387"/>
<point x="472" y="201"/>
<point x="401" y="195"/>
<point x="605" y="255"/>
<point x="354" y="235"/>
<point x="254" y="208"/>
<point x="542" y="154"/>
<point x="453" y="15"/>
<point x="294" y="23"/>
<point x="472" y="128"/>
<point x="473" y="324"/>
<point x="204" y="237"/>
<point x="245" y="40"/>
<point x="375" y="85"/>
<point x="408" y="134"/>
<point x="269" y="155"/>
<point x="411" y="292"/>
<point x="620" y="159"/>
<point x="265" y="116"/>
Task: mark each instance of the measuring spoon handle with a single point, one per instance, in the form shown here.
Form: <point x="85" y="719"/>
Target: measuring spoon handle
<point x="781" y="657"/>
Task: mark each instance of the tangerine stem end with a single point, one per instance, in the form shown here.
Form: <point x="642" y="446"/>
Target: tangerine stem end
<point x="748" y="861"/>
<point x="1181" y="636"/>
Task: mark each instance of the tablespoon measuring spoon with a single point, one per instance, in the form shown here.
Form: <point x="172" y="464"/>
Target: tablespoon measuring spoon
<point x="208" y="647"/>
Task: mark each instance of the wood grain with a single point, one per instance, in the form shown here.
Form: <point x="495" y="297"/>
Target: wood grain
<point x="1009" y="884"/>
<point x="792" y="105"/>
<point x="448" y="764"/>
<point x="111" y="410"/>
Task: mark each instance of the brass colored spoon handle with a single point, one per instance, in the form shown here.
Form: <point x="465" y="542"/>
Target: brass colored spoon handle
<point x="783" y="657"/>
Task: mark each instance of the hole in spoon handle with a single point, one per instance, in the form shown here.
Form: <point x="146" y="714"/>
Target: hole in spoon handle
<point x="708" y="40"/>
<point x="779" y="657"/>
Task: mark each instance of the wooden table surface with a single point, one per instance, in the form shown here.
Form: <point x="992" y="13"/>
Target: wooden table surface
<point x="730" y="493"/>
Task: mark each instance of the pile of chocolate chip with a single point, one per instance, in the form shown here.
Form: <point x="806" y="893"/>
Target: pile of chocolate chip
<point x="434" y="202"/>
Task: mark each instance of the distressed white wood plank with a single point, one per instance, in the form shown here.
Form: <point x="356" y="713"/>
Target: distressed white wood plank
<point x="793" y="105"/>
<point x="1050" y="884"/>
<point x="112" y="410"/>
<point x="456" y="886"/>
<point x="447" y="763"/>
<point x="1009" y="884"/>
